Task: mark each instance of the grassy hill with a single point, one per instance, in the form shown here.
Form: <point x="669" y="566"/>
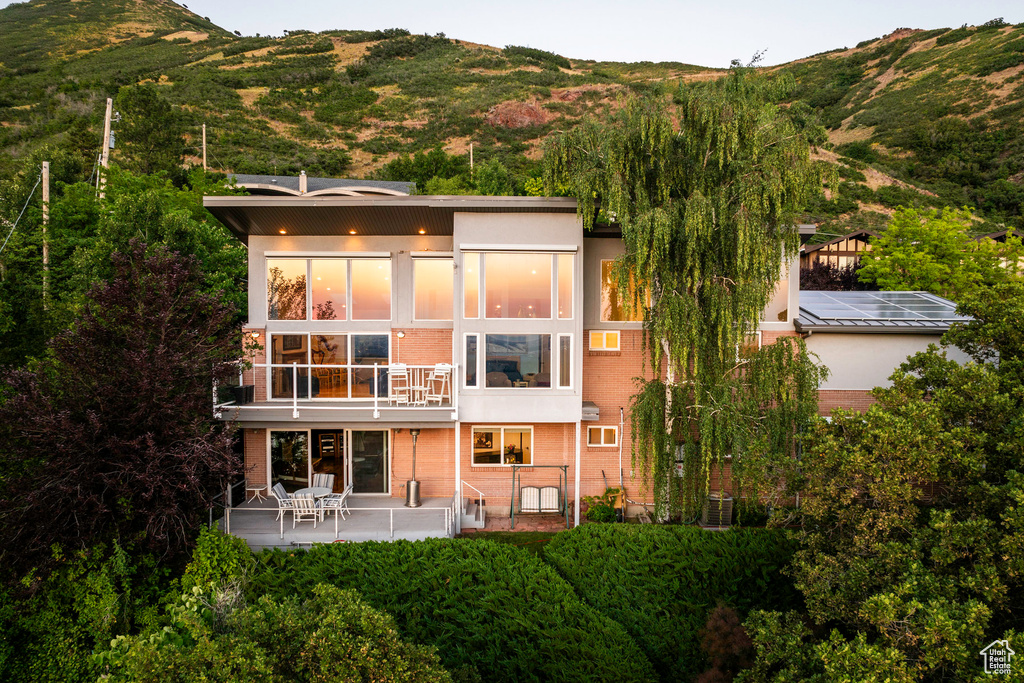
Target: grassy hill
<point x="916" y="117"/>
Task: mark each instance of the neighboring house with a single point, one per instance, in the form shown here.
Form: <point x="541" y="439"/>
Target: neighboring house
<point x="840" y="252"/>
<point x="490" y="325"/>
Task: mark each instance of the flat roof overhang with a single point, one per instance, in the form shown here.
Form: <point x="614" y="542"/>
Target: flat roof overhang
<point x="380" y="215"/>
<point x="315" y="415"/>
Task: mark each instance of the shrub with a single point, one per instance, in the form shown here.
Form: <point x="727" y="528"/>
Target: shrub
<point x="661" y="582"/>
<point x="332" y="637"/>
<point x="218" y="558"/>
<point x="491" y="609"/>
<point x="533" y="54"/>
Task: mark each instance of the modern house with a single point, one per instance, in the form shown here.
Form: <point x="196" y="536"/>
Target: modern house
<point x="839" y="252"/>
<point x="481" y="338"/>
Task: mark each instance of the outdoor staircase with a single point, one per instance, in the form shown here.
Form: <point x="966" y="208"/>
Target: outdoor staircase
<point x="473" y="515"/>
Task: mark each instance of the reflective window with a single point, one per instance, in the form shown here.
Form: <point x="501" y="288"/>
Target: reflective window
<point x="602" y="436"/>
<point x="564" y="361"/>
<point x="433" y="282"/>
<point x="329" y="286"/>
<point x="369" y="349"/>
<point x="518" y="360"/>
<point x="616" y="305"/>
<point x="329" y="358"/>
<point x="565" y="280"/>
<point x="371" y="289"/>
<point x="286" y="289"/>
<point x="471" y="284"/>
<point x="517" y="285"/>
<point x="286" y="350"/>
<point x="471" y="342"/>
<point x="502" y="445"/>
<point x="289" y="460"/>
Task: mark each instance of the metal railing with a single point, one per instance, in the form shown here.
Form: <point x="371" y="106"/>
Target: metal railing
<point x="482" y="499"/>
<point x="428" y="387"/>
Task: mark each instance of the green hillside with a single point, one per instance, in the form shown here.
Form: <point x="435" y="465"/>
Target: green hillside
<point x="917" y="117"/>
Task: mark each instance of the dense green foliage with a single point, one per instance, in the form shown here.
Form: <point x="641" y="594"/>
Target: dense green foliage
<point x="706" y="204"/>
<point x="662" y="582"/>
<point x="490" y="609"/>
<point x="933" y="251"/>
<point x="911" y="556"/>
<point x="52" y="625"/>
<point x="332" y="637"/>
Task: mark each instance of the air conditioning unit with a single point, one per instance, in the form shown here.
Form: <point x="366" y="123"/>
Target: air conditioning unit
<point x="717" y="510"/>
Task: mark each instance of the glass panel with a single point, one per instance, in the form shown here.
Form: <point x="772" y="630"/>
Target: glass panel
<point x="471" y="343"/>
<point x="433" y="281"/>
<point x="329" y="456"/>
<point x="518" y="285"/>
<point x="330" y="282"/>
<point x="369" y="462"/>
<point x="289" y="460"/>
<point x="609" y="436"/>
<point x="286" y="349"/>
<point x="564" y="361"/>
<point x="593" y="436"/>
<point x="613" y="303"/>
<point x="565" y="285"/>
<point x="368" y="349"/>
<point x="471" y="285"/>
<point x="286" y="289"/>
<point x="331" y="351"/>
<point x="516" y="445"/>
<point x="518" y="360"/>
<point x="371" y="289"/>
<point x="486" y="446"/>
<point x="611" y="340"/>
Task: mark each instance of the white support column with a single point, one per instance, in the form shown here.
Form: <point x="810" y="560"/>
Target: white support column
<point x="458" y="477"/>
<point x="576" y="493"/>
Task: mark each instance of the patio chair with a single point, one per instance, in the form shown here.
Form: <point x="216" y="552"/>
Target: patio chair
<point x="323" y="480"/>
<point x="284" y="503"/>
<point x="338" y="502"/>
<point x="304" y="510"/>
<point x="401" y="386"/>
<point x="438" y="383"/>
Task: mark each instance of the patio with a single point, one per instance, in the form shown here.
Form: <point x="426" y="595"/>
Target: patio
<point x="372" y="518"/>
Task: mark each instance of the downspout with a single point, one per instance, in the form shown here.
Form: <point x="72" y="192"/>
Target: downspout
<point x="576" y="513"/>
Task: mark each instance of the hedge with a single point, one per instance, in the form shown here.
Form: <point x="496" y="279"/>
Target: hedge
<point x="494" y="612"/>
<point x="661" y="582"/>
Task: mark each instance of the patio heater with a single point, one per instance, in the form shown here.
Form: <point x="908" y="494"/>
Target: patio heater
<point x="412" y="487"/>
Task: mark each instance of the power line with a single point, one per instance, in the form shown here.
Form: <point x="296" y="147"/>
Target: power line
<point x="38" y="180"/>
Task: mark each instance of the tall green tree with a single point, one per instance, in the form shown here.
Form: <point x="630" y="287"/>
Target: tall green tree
<point x="150" y="135"/>
<point x="707" y="204"/>
<point x="934" y="251"/>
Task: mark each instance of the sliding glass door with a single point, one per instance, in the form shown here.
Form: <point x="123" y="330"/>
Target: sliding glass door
<point x="369" y="451"/>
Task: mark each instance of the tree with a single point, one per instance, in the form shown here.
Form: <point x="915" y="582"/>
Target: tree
<point x="332" y="637"/>
<point x="707" y="209"/>
<point x="913" y="512"/>
<point x="109" y="437"/>
<point x="933" y="251"/>
<point x="150" y="136"/>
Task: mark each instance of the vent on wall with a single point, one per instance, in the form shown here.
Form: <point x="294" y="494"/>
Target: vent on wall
<point x="717" y="510"/>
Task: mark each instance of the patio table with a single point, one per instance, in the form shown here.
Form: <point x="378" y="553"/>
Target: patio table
<point x="316" y="492"/>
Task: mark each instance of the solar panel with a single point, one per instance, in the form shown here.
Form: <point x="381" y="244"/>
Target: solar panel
<point x="878" y="306"/>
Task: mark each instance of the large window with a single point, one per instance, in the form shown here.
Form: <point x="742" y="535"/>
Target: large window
<point x="617" y="306"/>
<point x="602" y="436"/>
<point x="433" y="284"/>
<point x="502" y="445"/>
<point x="564" y="361"/>
<point x="328" y="366"/>
<point x="518" y="360"/>
<point x="471" y="345"/>
<point x="289" y="459"/>
<point x="518" y="285"/>
<point x="328" y="289"/>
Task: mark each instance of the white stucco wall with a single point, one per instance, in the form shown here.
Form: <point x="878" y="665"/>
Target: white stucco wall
<point x="865" y="361"/>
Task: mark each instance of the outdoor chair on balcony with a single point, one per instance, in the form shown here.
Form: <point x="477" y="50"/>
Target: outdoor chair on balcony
<point x="439" y="383"/>
<point x="304" y="510"/>
<point x="284" y="503"/>
<point x="401" y="386"/>
<point x="337" y="503"/>
<point x="323" y="481"/>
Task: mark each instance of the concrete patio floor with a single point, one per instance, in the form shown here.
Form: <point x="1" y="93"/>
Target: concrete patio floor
<point x="373" y="518"/>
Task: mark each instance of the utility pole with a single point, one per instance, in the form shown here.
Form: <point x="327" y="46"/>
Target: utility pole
<point x="471" y="160"/>
<point x="105" y="156"/>
<point x="204" y="146"/>
<point x="46" y="241"/>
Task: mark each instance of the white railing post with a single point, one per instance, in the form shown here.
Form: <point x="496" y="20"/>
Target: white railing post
<point x="455" y="394"/>
<point x="392" y="511"/>
<point x="295" y="390"/>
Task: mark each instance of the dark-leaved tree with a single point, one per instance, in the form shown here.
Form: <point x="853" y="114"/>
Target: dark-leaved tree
<point x="110" y="436"/>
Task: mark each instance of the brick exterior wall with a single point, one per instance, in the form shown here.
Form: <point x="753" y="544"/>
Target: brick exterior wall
<point x="849" y="399"/>
<point x="435" y="461"/>
<point x="422" y="347"/>
<point x="553" y="444"/>
<point x="255" y="449"/>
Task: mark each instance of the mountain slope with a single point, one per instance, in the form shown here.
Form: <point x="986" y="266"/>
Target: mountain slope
<point x="916" y="117"/>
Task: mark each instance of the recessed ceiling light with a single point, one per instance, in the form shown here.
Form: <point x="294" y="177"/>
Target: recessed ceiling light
<point x="422" y="231"/>
<point x="281" y="231"/>
<point x="351" y="232"/>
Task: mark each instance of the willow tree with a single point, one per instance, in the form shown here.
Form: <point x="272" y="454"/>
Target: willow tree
<point x="707" y="201"/>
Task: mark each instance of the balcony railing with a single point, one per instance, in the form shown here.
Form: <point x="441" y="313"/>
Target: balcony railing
<point x="382" y="386"/>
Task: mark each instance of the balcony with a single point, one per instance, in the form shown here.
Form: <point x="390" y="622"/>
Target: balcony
<point x="376" y="392"/>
